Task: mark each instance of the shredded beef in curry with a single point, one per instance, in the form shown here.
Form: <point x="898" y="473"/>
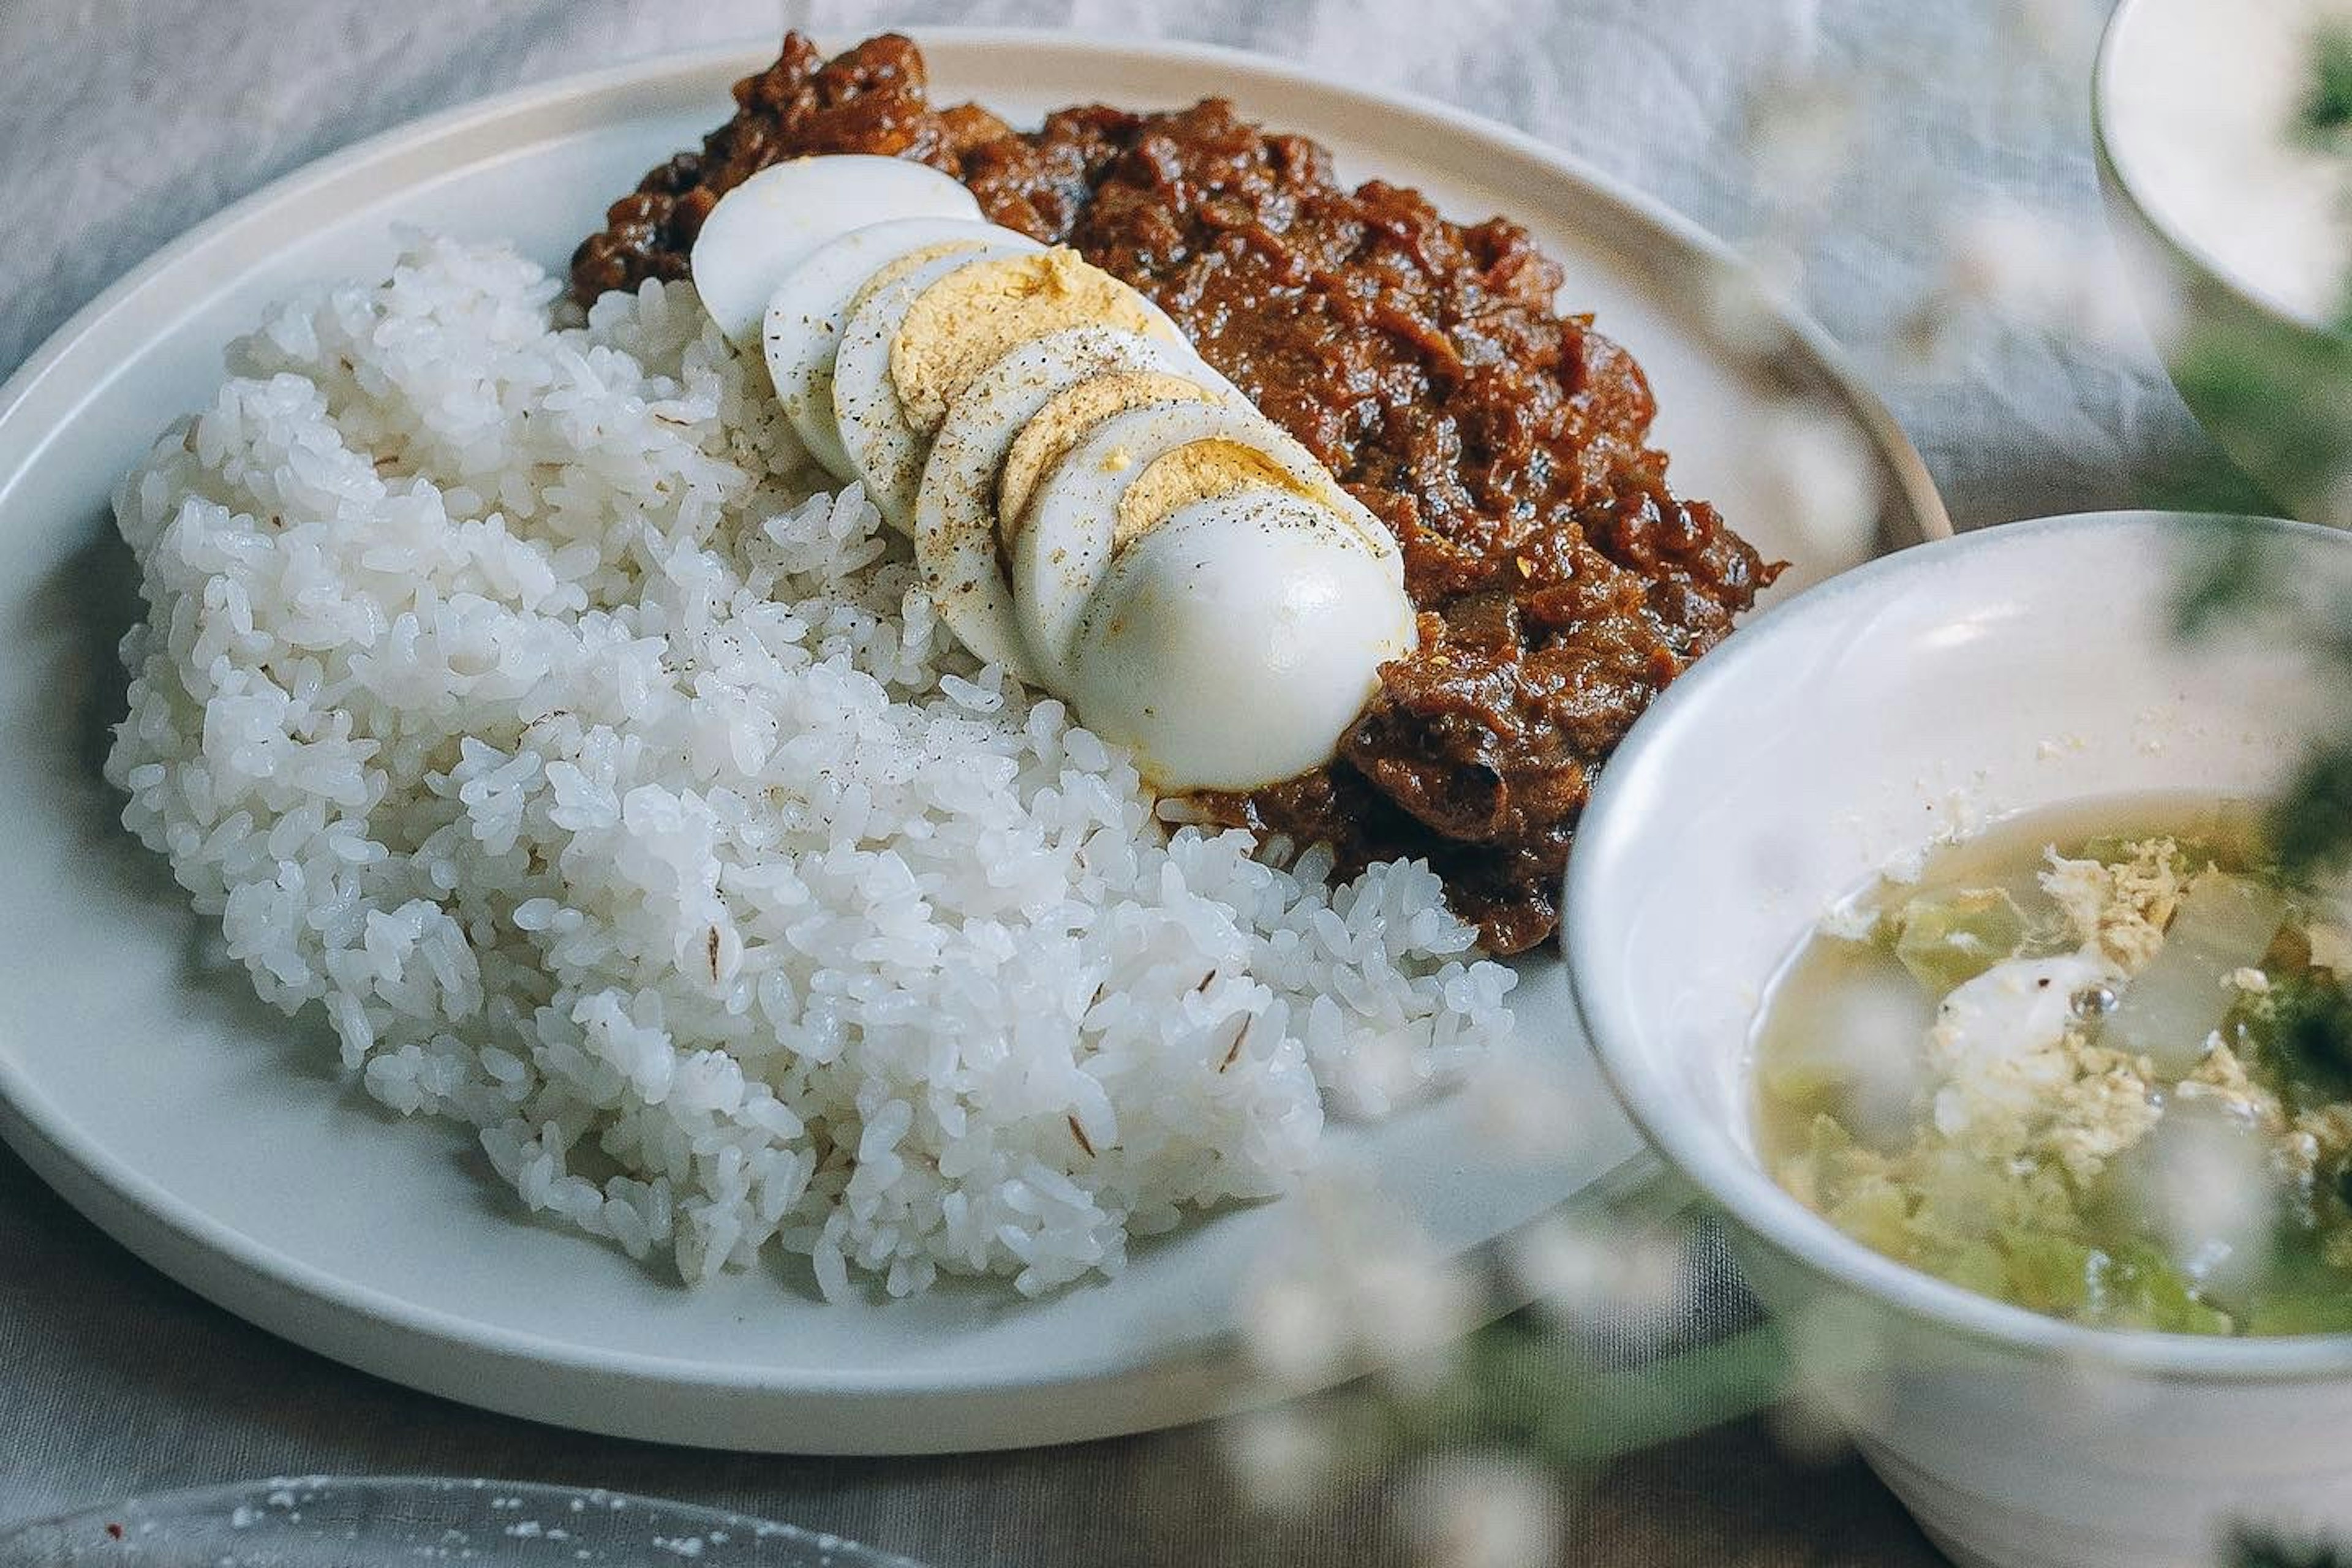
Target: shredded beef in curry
<point x="1561" y="584"/>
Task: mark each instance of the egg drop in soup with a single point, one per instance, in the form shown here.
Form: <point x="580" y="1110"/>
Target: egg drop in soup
<point x="2095" y="1062"/>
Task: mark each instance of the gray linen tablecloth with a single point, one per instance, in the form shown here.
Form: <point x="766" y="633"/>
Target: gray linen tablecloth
<point x="122" y="123"/>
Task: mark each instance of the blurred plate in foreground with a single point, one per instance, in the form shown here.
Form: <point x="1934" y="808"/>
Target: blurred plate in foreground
<point x="327" y="1521"/>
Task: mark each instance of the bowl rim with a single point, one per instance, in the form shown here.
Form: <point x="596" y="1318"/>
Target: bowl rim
<point x="1736" y="1184"/>
<point x="2186" y="252"/>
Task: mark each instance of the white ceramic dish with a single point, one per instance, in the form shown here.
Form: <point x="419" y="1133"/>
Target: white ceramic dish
<point x="209" y="1134"/>
<point x="2020" y="668"/>
<point x="2198" y="102"/>
<point x="334" y="1521"/>
<point x="2231" y="252"/>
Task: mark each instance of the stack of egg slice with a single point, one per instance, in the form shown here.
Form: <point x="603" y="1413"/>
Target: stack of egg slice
<point x="1092" y="506"/>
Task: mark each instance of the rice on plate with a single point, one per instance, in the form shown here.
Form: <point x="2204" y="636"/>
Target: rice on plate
<point x="510" y="689"/>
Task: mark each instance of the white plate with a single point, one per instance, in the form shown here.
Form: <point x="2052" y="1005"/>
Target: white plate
<point x="211" y="1136"/>
<point x="332" y="1521"/>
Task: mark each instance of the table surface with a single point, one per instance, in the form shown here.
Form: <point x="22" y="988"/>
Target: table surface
<point x="124" y="121"/>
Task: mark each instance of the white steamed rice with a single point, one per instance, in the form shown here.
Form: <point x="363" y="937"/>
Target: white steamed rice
<point x="508" y="692"/>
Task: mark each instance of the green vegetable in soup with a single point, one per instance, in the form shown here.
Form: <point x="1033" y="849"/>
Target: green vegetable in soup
<point x="2141" y="1118"/>
<point x="2144" y="1291"/>
<point x="1948" y="939"/>
<point x="1807" y="1085"/>
<point x="1953" y="1218"/>
<point x="2049" y="1273"/>
<point x="2306" y="1296"/>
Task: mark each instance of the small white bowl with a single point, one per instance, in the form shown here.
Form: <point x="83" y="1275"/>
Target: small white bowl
<point x="2236" y="256"/>
<point x="2009" y="670"/>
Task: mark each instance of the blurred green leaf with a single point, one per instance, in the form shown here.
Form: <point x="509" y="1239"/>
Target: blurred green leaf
<point x="2229" y="575"/>
<point x="2328" y="105"/>
<point x="2273" y="395"/>
<point x="2253" y="1550"/>
<point x="1575" y="1410"/>
<point x="2311" y="826"/>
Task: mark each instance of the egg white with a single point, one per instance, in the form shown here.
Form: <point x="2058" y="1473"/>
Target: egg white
<point x="1065" y="543"/>
<point x="957" y="529"/>
<point x="801" y="331"/>
<point x="886" y="452"/>
<point x="1233" y="643"/>
<point x="765" y="227"/>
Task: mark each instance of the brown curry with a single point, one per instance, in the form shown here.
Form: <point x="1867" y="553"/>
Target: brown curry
<point x="1561" y="584"/>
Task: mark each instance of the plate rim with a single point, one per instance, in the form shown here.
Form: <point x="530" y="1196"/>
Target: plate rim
<point x="51" y="1143"/>
<point x="180" y="1502"/>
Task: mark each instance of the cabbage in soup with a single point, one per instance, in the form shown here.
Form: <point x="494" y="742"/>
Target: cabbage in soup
<point x="2096" y="1063"/>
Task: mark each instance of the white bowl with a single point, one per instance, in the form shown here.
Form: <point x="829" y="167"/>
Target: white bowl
<point x="2006" y="670"/>
<point x="2232" y="250"/>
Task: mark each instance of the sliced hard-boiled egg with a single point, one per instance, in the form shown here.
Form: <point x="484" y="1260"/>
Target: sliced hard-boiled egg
<point x="1069" y="414"/>
<point x="884" y="447"/>
<point x="956" y="526"/>
<point x="774" y="220"/>
<point x="1093" y="507"/>
<point x="1232" y="643"/>
<point x="966" y="247"/>
<point x="808" y="309"/>
<point x="967" y="321"/>
<point x="1166" y="456"/>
